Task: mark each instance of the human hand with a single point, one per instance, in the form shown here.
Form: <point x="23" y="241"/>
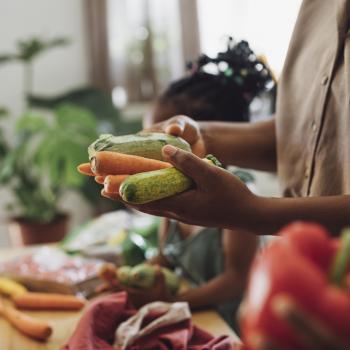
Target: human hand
<point x="312" y="333"/>
<point x="219" y="198"/>
<point x="186" y="128"/>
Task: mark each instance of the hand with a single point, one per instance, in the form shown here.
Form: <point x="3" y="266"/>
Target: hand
<point x="159" y="292"/>
<point x="186" y="128"/>
<point x="311" y="332"/>
<point x="219" y="198"/>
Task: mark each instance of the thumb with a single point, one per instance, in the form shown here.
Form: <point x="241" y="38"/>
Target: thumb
<point x="191" y="165"/>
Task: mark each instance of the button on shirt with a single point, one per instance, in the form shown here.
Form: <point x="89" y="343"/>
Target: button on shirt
<point x="313" y="104"/>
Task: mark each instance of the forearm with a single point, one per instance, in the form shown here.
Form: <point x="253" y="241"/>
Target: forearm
<point x="273" y="213"/>
<point x="249" y="145"/>
<point x="218" y="290"/>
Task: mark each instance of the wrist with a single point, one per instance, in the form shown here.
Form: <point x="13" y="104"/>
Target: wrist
<point x="258" y="214"/>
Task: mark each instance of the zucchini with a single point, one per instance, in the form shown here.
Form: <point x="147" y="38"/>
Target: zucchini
<point x="148" y="145"/>
<point x="143" y="276"/>
<point x="154" y="185"/>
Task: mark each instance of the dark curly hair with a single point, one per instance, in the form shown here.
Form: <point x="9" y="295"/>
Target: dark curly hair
<point x="220" y="88"/>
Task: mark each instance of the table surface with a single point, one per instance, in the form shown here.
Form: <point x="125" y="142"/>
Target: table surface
<point x="64" y="323"/>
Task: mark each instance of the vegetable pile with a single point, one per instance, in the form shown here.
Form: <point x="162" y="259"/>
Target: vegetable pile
<point x="312" y="269"/>
<point x="131" y="167"/>
<point x="141" y="276"/>
<point x="22" y="299"/>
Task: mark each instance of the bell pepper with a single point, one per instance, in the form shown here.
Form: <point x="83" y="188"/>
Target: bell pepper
<point x="309" y="266"/>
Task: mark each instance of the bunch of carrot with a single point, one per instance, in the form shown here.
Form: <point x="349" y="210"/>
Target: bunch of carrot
<point x="22" y="299"/>
<point x="110" y="169"/>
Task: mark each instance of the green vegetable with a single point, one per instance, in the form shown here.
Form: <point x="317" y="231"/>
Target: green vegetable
<point x="342" y="259"/>
<point x="171" y="280"/>
<point x="123" y="274"/>
<point x="148" y="145"/>
<point x="154" y="185"/>
<point x="143" y="276"/>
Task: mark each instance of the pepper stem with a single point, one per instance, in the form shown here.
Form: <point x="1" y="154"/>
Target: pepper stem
<point x="341" y="260"/>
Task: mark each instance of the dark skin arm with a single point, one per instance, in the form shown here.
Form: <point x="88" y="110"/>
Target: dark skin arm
<point x="248" y="145"/>
<point x="239" y="251"/>
<point x="222" y="200"/>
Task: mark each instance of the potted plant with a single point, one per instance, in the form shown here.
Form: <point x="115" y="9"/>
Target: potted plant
<point x="40" y="165"/>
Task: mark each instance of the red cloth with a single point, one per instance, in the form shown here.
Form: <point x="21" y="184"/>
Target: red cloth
<point x="96" y="329"/>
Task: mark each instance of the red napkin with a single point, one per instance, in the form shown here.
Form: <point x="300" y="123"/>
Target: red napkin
<point x="96" y="330"/>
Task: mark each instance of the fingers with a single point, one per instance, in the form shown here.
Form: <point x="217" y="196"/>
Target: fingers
<point x="165" y="207"/>
<point x="188" y="163"/>
<point x="173" y="126"/>
<point x="176" y="127"/>
<point x="309" y="330"/>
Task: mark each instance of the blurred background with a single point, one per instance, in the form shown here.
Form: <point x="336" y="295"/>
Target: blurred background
<point x="103" y="62"/>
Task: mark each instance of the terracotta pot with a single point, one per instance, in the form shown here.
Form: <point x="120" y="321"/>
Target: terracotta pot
<point x="24" y="232"/>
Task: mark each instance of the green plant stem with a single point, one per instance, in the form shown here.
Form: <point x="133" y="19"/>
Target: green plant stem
<point x="28" y="81"/>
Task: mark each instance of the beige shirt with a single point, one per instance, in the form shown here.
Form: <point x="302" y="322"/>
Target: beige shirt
<point x="313" y="104"/>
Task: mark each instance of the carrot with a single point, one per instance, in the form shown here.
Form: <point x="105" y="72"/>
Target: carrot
<point x="29" y="326"/>
<point x="114" y="163"/>
<point x="47" y="301"/>
<point x="113" y="182"/>
<point x="113" y="196"/>
<point x="100" y="179"/>
<point x="85" y="169"/>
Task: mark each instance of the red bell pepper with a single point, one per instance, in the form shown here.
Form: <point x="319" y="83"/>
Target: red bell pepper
<point x="310" y="267"/>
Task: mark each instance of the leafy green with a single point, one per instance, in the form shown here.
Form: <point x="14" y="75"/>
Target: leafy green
<point x="30" y="48"/>
<point x="42" y="163"/>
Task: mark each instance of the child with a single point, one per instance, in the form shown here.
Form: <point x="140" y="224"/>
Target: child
<point x="215" y="261"/>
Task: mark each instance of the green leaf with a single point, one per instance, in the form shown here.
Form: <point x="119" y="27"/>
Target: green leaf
<point x="8" y="168"/>
<point x="70" y="116"/>
<point x="31" y="123"/>
<point x="3" y="112"/>
<point x="6" y="58"/>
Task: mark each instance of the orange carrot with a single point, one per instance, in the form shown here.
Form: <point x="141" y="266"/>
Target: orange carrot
<point x="29" y="326"/>
<point x="113" y="163"/>
<point x="100" y="179"/>
<point x="85" y="169"/>
<point x="113" y="182"/>
<point x="113" y="196"/>
<point x="47" y="301"/>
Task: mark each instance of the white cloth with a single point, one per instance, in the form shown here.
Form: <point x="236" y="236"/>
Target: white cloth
<point x="130" y="330"/>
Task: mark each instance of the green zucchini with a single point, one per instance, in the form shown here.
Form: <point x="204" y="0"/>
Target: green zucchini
<point x="144" y="276"/>
<point x="154" y="185"/>
<point x="148" y="145"/>
<point x="123" y="274"/>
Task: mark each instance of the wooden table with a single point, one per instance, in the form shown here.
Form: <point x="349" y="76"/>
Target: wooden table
<point x="64" y="323"/>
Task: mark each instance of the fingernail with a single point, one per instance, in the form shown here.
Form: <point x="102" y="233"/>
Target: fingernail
<point x="169" y="150"/>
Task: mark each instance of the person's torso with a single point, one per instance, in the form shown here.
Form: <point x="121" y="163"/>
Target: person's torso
<point x="199" y="256"/>
<point x="313" y="105"/>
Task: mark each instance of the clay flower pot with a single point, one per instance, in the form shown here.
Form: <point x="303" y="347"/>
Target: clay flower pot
<point x="25" y="232"/>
